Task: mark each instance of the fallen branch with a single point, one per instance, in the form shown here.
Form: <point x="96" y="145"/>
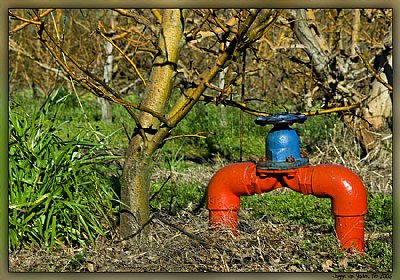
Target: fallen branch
<point x="138" y="231"/>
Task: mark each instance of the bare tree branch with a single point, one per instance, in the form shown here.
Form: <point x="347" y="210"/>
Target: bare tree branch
<point x="186" y="102"/>
<point x="91" y="86"/>
<point x="35" y="20"/>
<point x="121" y="52"/>
<point x="373" y="72"/>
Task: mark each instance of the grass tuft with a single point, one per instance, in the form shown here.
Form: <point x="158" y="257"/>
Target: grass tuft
<point x="55" y="194"/>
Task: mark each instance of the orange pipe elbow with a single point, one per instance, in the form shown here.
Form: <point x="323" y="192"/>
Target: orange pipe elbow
<point x="226" y="187"/>
<point x="349" y="202"/>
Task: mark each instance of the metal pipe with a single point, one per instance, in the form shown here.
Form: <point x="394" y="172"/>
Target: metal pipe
<point x="226" y="187"/>
<point x="342" y="186"/>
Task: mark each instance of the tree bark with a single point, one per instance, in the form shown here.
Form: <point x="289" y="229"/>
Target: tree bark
<point x="135" y="189"/>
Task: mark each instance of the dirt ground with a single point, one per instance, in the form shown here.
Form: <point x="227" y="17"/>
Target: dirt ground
<point x="183" y="243"/>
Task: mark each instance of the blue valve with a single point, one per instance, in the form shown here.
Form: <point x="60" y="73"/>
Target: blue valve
<point x="282" y="143"/>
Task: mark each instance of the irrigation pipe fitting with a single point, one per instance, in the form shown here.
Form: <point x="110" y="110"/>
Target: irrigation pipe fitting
<point x="285" y="166"/>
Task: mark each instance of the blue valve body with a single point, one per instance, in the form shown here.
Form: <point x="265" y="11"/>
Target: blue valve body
<point x="281" y="144"/>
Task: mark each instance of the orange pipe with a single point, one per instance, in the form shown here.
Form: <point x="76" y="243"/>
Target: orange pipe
<point x="226" y="187"/>
<point x="342" y="186"/>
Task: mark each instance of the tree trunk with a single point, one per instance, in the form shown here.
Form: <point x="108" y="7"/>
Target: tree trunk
<point x="376" y="115"/>
<point x="106" y="110"/>
<point x="135" y="189"/>
<point x="135" y="211"/>
<point x="105" y="105"/>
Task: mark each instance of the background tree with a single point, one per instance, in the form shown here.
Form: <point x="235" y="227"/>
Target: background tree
<point x="341" y="72"/>
<point x="166" y="61"/>
<point x="106" y="108"/>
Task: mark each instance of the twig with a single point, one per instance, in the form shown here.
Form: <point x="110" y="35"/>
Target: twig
<point x="340" y="156"/>
<point x="157" y="14"/>
<point x="266" y="24"/>
<point x="241" y="106"/>
<point x="373" y="72"/>
<point x="218" y="22"/>
<point x="27" y="22"/>
<point x="188" y="234"/>
<point x="221" y="90"/>
<point x="199" y="26"/>
<point x="189" y="135"/>
<point x="137" y="18"/>
<point x="165" y="182"/>
<point x="138" y="231"/>
<point x="332" y="110"/>
<point x="100" y="26"/>
<point x="13" y="47"/>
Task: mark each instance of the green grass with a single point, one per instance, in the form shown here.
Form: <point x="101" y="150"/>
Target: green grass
<point x="380" y="213"/>
<point x="290" y="207"/>
<point x="56" y="192"/>
<point x="172" y="197"/>
<point x="294" y="207"/>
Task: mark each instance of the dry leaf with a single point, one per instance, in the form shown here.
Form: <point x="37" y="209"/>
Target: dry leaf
<point x="344" y="262"/>
<point x="326" y="265"/>
<point x="90" y="267"/>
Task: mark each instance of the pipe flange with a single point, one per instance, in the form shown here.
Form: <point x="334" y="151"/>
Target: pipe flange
<point x="282" y="165"/>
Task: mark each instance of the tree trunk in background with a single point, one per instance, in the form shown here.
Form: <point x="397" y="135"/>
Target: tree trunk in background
<point x="376" y="115"/>
<point x="222" y="120"/>
<point x="376" y="107"/>
<point x="106" y="108"/>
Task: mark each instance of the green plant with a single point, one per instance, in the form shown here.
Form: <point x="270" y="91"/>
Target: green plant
<point x="380" y="213"/>
<point x="75" y="261"/>
<point x="290" y="207"/>
<point x="379" y="255"/>
<point x="174" y="197"/>
<point x="55" y="193"/>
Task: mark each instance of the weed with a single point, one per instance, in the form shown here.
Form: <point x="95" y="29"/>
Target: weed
<point x="76" y="261"/>
<point x="380" y="213"/>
